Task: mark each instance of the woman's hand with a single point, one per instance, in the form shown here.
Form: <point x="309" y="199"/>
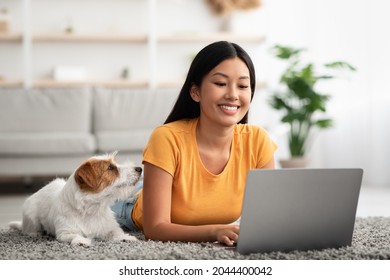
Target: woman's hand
<point x="227" y="234"/>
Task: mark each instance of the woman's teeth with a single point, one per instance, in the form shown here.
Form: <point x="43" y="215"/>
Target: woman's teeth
<point x="230" y="108"/>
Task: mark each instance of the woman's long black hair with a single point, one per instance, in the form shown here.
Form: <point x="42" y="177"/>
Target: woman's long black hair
<point x="208" y="58"/>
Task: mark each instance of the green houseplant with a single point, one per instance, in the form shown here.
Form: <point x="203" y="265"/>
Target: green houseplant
<point x="300" y="102"/>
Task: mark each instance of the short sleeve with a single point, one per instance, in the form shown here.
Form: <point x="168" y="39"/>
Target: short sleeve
<point x="162" y="150"/>
<point x="266" y="147"/>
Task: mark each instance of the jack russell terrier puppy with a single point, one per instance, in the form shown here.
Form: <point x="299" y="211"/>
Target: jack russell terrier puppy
<point x="78" y="210"/>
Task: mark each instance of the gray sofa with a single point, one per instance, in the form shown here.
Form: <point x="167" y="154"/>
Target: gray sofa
<point x="50" y="132"/>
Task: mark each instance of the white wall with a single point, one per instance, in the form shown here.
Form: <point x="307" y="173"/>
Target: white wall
<point x="355" y="31"/>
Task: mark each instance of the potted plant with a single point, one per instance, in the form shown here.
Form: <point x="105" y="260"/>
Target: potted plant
<point x="300" y="102"/>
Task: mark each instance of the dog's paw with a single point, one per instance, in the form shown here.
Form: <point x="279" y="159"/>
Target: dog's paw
<point x="125" y="238"/>
<point x="79" y="240"/>
<point x="15" y="225"/>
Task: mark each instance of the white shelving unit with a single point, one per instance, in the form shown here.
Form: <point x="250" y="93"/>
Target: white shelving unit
<point x="43" y="45"/>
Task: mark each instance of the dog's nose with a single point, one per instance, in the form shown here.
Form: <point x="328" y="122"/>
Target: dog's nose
<point x="138" y="169"/>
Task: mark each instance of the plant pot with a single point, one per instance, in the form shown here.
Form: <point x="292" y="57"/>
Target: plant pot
<point x="294" y="162"/>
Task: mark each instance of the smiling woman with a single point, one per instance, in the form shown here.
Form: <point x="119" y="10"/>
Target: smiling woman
<point x="195" y="165"/>
<point x="224" y="95"/>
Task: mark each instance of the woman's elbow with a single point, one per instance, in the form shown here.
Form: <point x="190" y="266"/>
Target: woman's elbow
<point x="152" y="233"/>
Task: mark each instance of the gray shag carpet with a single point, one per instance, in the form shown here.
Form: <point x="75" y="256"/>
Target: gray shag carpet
<point x="371" y="241"/>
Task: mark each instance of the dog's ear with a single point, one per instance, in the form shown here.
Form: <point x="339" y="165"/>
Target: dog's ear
<point x="86" y="178"/>
<point x="113" y="155"/>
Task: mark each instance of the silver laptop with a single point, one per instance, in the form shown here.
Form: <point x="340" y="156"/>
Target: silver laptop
<point x="298" y="209"/>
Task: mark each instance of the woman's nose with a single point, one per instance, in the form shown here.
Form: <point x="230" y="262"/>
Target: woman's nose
<point x="231" y="93"/>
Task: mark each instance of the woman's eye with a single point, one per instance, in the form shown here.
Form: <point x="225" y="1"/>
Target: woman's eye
<point x="220" y="84"/>
<point x="243" y="86"/>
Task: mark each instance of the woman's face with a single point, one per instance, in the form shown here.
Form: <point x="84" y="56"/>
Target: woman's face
<point x="225" y="93"/>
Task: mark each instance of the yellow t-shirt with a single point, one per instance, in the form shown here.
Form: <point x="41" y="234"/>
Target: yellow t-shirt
<point x="198" y="196"/>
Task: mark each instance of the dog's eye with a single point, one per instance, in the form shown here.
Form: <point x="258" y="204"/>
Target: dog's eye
<point x="111" y="167"/>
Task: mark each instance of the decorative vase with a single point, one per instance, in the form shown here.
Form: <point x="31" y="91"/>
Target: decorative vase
<point x="294" y="162"/>
<point x="4" y="20"/>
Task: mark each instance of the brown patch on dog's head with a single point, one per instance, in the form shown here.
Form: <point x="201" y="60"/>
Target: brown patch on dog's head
<point x="95" y="175"/>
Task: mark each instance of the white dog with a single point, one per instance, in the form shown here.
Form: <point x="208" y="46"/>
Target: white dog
<point x="78" y="210"/>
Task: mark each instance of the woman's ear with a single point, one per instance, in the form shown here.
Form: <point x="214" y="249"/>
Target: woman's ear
<point x="194" y="92"/>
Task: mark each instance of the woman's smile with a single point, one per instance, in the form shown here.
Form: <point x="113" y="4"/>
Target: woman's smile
<point x="229" y="109"/>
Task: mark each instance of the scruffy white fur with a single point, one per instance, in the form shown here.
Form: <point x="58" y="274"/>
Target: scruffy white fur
<point x="74" y="215"/>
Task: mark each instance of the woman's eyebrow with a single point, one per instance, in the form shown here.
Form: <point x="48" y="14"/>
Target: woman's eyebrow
<point x="226" y="76"/>
<point x="220" y="74"/>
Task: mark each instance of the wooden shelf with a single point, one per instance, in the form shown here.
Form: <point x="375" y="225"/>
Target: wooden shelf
<point x="261" y="85"/>
<point x="169" y="38"/>
<point x="108" y="83"/>
<point x="10" y="84"/>
<point x="102" y="38"/>
<point x="11" y="37"/>
<point x="209" y="37"/>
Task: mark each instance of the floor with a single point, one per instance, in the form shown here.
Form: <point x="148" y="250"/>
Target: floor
<point x="372" y="202"/>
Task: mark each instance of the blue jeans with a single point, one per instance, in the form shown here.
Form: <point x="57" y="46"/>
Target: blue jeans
<point x="123" y="209"/>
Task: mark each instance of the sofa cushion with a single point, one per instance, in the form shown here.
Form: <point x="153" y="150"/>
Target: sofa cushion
<point x="42" y="144"/>
<point x="110" y="141"/>
<point x="49" y="110"/>
<point x="124" y="118"/>
<point x="46" y="122"/>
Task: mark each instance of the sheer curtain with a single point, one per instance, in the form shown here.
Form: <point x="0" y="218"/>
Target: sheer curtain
<point x="355" y="31"/>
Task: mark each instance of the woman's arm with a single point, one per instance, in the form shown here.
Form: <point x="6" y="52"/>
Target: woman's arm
<point x="270" y="164"/>
<point x="157" y="214"/>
